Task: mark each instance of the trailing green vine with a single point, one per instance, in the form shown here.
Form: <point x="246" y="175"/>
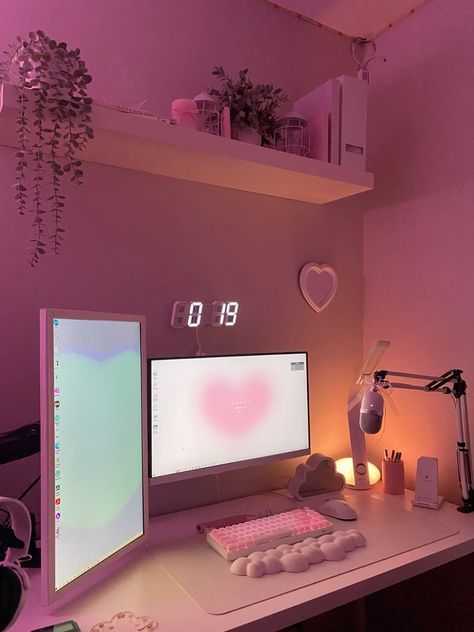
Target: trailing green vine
<point x="53" y="127"/>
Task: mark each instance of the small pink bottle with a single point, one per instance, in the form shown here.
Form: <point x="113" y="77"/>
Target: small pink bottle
<point x="225" y="122"/>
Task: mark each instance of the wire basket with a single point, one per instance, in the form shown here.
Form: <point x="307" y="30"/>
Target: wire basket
<point x="293" y="137"/>
<point x="208" y="116"/>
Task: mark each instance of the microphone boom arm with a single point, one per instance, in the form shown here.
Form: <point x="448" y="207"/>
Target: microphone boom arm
<point x="438" y="384"/>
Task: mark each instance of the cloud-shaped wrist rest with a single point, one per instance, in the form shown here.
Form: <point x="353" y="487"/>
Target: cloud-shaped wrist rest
<point x="317" y="476"/>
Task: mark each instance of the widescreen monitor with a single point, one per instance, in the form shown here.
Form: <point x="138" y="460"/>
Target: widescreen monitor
<point x="93" y="445"/>
<point x="213" y="413"/>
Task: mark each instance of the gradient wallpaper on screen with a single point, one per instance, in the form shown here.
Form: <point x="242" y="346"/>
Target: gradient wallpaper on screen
<point x="98" y="442"/>
<point x="209" y="411"/>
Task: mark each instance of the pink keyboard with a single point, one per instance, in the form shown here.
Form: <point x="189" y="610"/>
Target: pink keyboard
<point x="239" y="540"/>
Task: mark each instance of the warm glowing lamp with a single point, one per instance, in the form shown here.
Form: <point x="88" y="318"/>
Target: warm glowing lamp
<point x="358" y="469"/>
<point x="346" y="468"/>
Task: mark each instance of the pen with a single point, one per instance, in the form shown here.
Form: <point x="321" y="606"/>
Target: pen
<point x="395" y="457"/>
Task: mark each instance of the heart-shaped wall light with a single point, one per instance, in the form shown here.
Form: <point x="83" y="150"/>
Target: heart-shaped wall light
<point x="318" y="283"/>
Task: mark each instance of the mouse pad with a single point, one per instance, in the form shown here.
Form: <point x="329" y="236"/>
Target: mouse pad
<point x="205" y="576"/>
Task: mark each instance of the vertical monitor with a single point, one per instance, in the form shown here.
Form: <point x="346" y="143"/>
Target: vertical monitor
<point x="210" y="414"/>
<point x="93" y="445"/>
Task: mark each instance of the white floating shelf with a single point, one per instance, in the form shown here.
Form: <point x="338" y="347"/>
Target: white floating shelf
<point x="144" y="144"/>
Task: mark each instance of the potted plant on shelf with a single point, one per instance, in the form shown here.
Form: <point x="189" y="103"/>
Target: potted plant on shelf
<point x="53" y="127"/>
<point x="253" y="107"/>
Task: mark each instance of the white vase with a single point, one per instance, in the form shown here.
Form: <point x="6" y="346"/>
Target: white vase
<point x="249" y="135"/>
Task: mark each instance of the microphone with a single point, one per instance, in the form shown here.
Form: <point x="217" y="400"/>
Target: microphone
<point x="371" y="411"/>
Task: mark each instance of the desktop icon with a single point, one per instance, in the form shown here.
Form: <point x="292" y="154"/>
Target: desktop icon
<point x="56" y="445"/>
<point x="58" y="515"/>
<point x="58" y="474"/>
<point x="57" y="404"/>
<point x="57" y="417"/>
<point x="58" y="501"/>
<point x="55" y="322"/>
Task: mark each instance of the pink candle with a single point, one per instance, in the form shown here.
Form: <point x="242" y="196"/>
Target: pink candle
<point x="184" y="112"/>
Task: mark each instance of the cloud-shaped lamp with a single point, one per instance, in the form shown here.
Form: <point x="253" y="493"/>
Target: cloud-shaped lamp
<point x="317" y="475"/>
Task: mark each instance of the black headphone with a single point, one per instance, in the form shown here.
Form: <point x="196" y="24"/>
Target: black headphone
<point x="14" y="582"/>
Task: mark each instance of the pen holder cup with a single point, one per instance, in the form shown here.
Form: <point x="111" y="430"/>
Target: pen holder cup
<point x="393" y="477"/>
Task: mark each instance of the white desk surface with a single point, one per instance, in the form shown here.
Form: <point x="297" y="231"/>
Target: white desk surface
<point x="144" y="586"/>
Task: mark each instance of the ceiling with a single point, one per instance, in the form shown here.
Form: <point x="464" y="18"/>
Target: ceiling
<point x="354" y="18"/>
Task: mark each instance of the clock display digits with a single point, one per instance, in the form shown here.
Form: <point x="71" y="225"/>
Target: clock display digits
<point x="179" y="316"/>
<point x="195" y="314"/>
<point x="218" y="313"/>
<point x="231" y="313"/>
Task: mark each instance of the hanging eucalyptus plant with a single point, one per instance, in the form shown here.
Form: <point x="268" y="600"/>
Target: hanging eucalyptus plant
<point x="53" y="127"/>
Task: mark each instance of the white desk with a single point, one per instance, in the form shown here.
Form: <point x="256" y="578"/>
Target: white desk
<point x="146" y="588"/>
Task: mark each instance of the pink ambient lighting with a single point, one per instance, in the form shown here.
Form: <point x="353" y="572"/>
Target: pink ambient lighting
<point x="236" y="409"/>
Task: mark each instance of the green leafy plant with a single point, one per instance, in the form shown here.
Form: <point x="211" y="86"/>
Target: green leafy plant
<point x="53" y="126"/>
<point x="252" y="105"/>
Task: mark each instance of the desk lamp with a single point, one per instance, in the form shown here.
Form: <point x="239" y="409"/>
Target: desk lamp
<point x="371" y="415"/>
<point x="358" y="472"/>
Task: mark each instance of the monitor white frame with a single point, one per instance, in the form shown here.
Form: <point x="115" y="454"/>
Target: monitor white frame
<point x="236" y="465"/>
<point x="49" y="595"/>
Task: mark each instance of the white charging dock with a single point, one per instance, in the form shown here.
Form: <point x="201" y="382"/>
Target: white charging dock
<point x="426" y="487"/>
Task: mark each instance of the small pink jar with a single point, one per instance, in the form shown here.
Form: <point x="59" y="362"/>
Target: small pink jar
<point x="393" y="477"/>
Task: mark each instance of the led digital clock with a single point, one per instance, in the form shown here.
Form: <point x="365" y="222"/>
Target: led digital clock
<point x="196" y="313"/>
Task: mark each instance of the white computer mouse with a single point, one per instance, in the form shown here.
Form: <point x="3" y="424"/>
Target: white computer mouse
<point x="337" y="508"/>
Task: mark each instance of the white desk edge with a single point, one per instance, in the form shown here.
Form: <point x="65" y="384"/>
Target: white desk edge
<point x="176" y="611"/>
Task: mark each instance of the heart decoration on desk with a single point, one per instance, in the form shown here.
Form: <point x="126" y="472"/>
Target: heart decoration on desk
<point x="318" y="283"/>
<point x="126" y="622"/>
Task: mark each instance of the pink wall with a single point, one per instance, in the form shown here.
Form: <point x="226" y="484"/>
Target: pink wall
<point x="136" y="242"/>
<point x="419" y="229"/>
<point x="144" y="52"/>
